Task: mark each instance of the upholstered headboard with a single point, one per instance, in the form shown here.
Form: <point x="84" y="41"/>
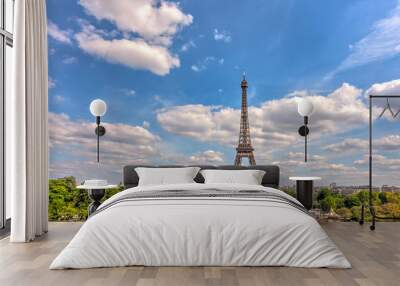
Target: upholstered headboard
<point x="270" y="179"/>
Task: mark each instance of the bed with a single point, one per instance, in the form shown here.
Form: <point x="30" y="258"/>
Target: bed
<point x="198" y="224"/>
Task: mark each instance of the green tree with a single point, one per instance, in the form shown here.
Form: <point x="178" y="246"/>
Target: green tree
<point x="290" y="191"/>
<point x="390" y="210"/>
<point x="351" y="201"/>
<point x="323" y="193"/>
<point x="66" y="202"/>
<point x="328" y="203"/>
<point x="364" y="197"/>
<point x="383" y="197"/>
<point x="393" y="198"/>
<point x="339" y="202"/>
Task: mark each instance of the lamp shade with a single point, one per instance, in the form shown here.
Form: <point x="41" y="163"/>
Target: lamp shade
<point x="98" y="107"/>
<point x="305" y="107"/>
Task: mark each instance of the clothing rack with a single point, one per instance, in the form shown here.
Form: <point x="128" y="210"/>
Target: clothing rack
<point x="370" y="206"/>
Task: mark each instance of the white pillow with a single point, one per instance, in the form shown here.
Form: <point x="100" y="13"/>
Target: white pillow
<point x="165" y="176"/>
<point x="248" y="177"/>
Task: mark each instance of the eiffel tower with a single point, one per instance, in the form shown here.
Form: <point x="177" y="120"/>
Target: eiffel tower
<point x="244" y="148"/>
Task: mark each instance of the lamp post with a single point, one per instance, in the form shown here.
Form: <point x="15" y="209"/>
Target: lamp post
<point x="98" y="108"/>
<point x="305" y="108"/>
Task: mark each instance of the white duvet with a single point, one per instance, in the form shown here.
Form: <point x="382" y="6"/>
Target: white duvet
<point x="199" y="231"/>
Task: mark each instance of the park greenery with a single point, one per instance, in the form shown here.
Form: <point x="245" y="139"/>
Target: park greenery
<point x="67" y="203"/>
<point x="386" y="204"/>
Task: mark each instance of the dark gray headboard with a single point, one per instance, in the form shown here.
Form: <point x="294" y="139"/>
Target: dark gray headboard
<point x="271" y="177"/>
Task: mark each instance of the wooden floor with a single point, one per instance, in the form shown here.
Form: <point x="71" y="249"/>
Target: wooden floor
<point x="375" y="257"/>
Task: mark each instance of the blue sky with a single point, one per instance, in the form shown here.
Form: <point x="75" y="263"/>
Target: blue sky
<point x="170" y="73"/>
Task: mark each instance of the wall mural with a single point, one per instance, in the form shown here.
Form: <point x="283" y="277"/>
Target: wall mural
<point x="171" y="72"/>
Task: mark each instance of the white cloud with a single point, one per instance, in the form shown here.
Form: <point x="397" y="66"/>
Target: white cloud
<point x="218" y="124"/>
<point x="381" y="161"/>
<point x="385" y="169"/>
<point x="299" y="93"/>
<point x="134" y="53"/>
<point x="122" y="144"/>
<point x="196" y="68"/>
<point x="203" y="123"/>
<point x="153" y="20"/>
<point x="128" y="92"/>
<point x="146" y="124"/>
<point x="147" y="28"/>
<point x="186" y="46"/>
<point x="348" y="145"/>
<point x="318" y="165"/>
<point x="70" y="60"/>
<point x="206" y="62"/>
<point x="300" y="155"/>
<point x="274" y="124"/>
<point x="385" y="88"/>
<point x="51" y="83"/>
<point x="222" y="36"/>
<point x="57" y="34"/>
<point x="388" y="143"/>
<point x="161" y="101"/>
<point x="206" y="157"/>
<point x="356" y="145"/>
<point x="340" y="111"/>
<point x="382" y="42"/>
<point x="59" y="98"/>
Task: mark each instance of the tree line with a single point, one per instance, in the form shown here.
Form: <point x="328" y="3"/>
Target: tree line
<point x="67" y="203"/>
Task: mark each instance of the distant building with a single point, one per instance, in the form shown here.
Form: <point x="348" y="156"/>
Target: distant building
<point x="391" y="189"/>
<point x="347" y="190"/>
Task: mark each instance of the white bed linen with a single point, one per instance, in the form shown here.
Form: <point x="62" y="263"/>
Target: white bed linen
<point x="212" y="231"/>
<point x="249" y="177"/>
<point x="165" y="176"/>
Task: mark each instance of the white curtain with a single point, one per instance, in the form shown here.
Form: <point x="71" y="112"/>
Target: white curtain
<point x="26" y="124"/>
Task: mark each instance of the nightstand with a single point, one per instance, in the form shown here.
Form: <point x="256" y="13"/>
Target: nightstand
<point x="96" y="193"/>
<point x="304" y="190"/>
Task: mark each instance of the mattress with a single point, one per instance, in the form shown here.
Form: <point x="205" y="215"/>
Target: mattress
<point x="201" y="225"/>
